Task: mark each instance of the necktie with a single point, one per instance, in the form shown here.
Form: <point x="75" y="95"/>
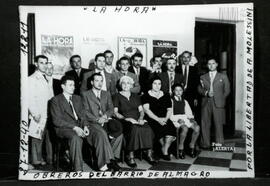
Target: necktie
<point x="185" y="74"/>
<point x="78" y="73"/>
<point x="171" y="79"/>
<point x="72" y="108"/>
<point x="211" y="82"/>
<point x="99" y="105"/>
<point x="45" y="78"/>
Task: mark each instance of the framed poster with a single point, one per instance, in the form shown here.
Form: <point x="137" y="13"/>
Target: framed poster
<point x="127" y="46"/>
<point x="165" y="49"/>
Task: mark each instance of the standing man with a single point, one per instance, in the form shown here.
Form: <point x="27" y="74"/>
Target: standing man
<point x="191" y="79"/>
<point x="77" y="72"/>
<point x="123" y="66"/>
<point x="214" y="88"/>
<point x="99" y="110"/>
<point x="141" y="72"/>
<point x="108" y="79"/>
<point x="109" y="61"/>
<point x="170" y="77"/>
<point x="68" y="118"/>
<point x="40" y="92"/>
<point x="156" y="65"/>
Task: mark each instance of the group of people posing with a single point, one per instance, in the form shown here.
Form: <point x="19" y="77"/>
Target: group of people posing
<point x="126" y="108"/>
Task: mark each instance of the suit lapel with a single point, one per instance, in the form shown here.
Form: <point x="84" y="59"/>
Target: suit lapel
<point x="216" y="78"/>
<point x="93" y="96"/>
<point x="66" y="106"/>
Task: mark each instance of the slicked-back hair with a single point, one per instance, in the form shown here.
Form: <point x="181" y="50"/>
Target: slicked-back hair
<point x="40" y="56"/>
<point x="99" y="55"/>
<point x="65" y="78"/>
<point x="72" y="57"/>
<point x="138" y="54"/>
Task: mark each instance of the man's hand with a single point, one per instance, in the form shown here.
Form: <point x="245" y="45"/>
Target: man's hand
<point x="79" y="131"/>
<point x="86" y="131"/>
<point x="37" y="118"/>
<point x="181" y="122"/>
<point x="102" y="120"/>
<point x="161" y="121"/>
<point x="210" y="94"/>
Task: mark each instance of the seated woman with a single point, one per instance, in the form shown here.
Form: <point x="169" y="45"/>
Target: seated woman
<point x="182" y="117"/>
<point x="128" y="109"/>
<point x="158" y="106"/>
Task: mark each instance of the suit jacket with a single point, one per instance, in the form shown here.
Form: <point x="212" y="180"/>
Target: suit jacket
<point x="136" y="88"/>
<point x="39" y="93"/>
<point x="221" y="88"/>
<point x="164" y="76"/>
<point x="62" y="114"/>
<point x="143" y="77"/>
<point x="191" y="92"/>
<point x="92" y="105"/>
<point x="109" y="78"/>
<point x="78" y="79"/>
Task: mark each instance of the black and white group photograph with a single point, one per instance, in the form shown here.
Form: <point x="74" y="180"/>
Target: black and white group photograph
<point x="109" y="90"/>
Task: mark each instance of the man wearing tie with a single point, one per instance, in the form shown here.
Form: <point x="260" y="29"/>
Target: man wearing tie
<point x="68" y="119"/>
<point x="108" y="79"/>
<point x="99" y="110"/>
<point x="141" y="72"/>
<point x="214" y="88"/>
<point x="191" y="79"/>
<point x="170" y="77"/>
<point x="76" y="72"/>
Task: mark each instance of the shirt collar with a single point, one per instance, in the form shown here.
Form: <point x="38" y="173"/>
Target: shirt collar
<point x="67" y="96"/>
<point x="96" y="92"/>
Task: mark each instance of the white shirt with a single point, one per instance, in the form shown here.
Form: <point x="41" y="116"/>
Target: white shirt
<point x="104" y="86"/>
<point x="96" y="92"/>
<point x="212" y="74"/>
<point x="137" y="71"/>
<point x="109" y="69"/>
<point x="68" y="98"/>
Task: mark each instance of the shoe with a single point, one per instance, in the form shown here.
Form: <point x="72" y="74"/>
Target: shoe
<point x="192" y="153"/>
<point x="181" y="154"/>
<point x="114" y="166"/>
<point x="151" y="160"/>
<point x="131" y="162"/>
<point x="166" y="157"/>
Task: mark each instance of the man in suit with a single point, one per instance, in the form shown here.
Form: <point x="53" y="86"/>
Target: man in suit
<point x="40" y="92"/>
<point x="108" y="79"/>
<point x="141" y="72"/>
<point x="214" y="88"/>
<point x="77" y="72"/>
<point x="123" y="66"/>
<point x="109" y="61"/>
<point x="191" y="79"/>
<point x="170" y="77"/>
<point x="99" y="110"/>
<point x="68" y="118"/>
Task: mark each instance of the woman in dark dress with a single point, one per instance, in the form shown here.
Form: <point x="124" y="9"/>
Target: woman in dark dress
<point x="128" y="109"/>
<point x="158" y="107"/>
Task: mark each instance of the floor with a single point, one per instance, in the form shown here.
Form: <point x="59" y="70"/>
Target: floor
<point x="207" y="160"/>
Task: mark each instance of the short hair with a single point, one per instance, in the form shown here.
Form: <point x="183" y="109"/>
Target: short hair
<point x="92" y="77"/>
<point x="177" y="85"/>
<point x="186" y="51"/>
<point x="170" y="58"/>
<point x="154" y="78"/>
<point x="72" y="57"/>
<point x="157" y="56"/>
<point x="126" y="78"/>
<point x="40" y="56"/>
<point x="65" y="78"/>
<point x="212" y="58"/>
<point x="137" y="54"/>
<point x="107" y="52"/>
<point x="124" y="58"/>
<point x="99" y="55"/>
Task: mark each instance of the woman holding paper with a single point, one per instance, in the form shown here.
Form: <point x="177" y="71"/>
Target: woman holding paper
<point x="128" y="109"/>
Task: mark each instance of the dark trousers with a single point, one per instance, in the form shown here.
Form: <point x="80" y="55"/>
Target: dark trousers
<point x="210" y="111"/>
<point x="75" y="147"/>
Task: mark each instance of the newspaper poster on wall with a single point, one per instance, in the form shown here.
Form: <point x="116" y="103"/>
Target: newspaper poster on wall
<point x="128" y="46"/>
<point x="58" y="49"/>
<point x="222" y="152"/>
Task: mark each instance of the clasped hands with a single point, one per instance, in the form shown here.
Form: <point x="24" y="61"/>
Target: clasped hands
<point x="136" y="122"/>
<point x="81" y="132"/>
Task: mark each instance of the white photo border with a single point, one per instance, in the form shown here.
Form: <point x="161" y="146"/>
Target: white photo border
<point x="248" y="109"/>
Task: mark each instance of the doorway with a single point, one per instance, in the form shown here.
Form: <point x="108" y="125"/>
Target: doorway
<point x="219" y="40"/>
